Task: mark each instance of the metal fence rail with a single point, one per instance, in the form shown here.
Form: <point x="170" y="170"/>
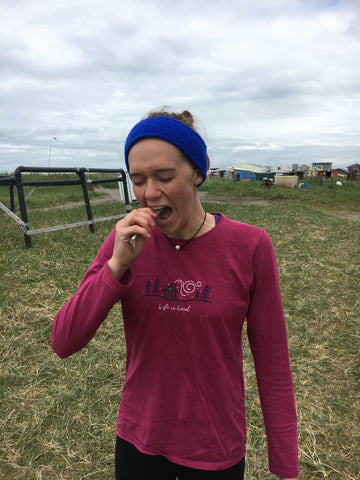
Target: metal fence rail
<point x="19" y="182"/>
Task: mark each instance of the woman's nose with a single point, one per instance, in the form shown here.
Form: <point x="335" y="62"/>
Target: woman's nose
<point x="152" y="190"/>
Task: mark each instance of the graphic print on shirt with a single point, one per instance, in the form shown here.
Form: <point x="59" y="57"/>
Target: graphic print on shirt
<point x="177" y="291"/>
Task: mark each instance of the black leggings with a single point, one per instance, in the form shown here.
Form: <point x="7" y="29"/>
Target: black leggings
<point x="130" y="464"/>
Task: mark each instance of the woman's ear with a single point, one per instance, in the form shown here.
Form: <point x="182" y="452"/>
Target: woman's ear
<point x="198" y="179"/>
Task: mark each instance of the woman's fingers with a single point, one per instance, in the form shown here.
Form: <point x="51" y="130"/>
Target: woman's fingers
<point x="138" y="222"/>
<point x="130" y="235"/>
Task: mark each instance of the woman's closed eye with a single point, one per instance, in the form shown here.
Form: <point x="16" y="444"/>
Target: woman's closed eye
<point x="138" y="183"/>
<point x="166" y="179"/>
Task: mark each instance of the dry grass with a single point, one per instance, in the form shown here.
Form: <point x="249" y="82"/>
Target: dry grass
<point x="58" y="416"/>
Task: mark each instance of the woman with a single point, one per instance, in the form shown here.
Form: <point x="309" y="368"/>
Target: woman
<point x="187" y="279"/>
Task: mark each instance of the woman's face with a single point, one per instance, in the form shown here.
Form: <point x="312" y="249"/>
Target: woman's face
<point x="164" y="180"/>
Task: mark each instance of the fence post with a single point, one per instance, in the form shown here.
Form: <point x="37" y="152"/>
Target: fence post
<point x="12" y="202"/>
<point x="126" y="193"/>
<point x="81" y="174"/>
<point x="22" y="204"/>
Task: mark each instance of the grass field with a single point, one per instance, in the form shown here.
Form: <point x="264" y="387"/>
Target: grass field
<point x="58" y="416"/>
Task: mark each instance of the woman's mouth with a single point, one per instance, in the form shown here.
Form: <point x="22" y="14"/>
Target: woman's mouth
<point x="162" y="213"/>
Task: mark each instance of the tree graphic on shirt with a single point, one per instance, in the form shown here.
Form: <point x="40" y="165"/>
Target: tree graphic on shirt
<point x="148" y="288"/>
<point x="157" y="289"/>
<point x="206" y="293"/>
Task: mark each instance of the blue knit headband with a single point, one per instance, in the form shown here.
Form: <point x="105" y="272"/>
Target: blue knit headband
<point x="172" y="131"/>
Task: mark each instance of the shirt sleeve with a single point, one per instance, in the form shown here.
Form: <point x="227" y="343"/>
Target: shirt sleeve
<point x="78" y="320"/>
<point x="268" y="342"/>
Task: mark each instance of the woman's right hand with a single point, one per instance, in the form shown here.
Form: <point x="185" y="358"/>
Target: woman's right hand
<point x="138" y="222"/>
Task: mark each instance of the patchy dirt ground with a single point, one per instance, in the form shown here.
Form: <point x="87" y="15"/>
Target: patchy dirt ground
<point x="347" y="216"/>
<point x="204" y="196"/>
<point x="231" y="198"/>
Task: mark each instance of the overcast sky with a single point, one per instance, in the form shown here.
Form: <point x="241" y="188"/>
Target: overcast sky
<point x="270" y="81"/>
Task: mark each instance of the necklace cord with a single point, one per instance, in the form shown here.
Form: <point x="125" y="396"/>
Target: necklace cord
<point x="179" y="247"/>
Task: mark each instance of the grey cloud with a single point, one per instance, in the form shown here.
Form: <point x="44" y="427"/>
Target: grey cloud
<point x="274" y="73"/>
